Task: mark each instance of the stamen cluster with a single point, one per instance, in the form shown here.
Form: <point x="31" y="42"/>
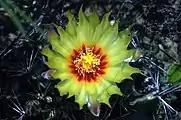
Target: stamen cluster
<point x="88" y="63"/>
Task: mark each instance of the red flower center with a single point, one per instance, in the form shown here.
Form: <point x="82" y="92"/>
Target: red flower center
<point x="88" y="63"/>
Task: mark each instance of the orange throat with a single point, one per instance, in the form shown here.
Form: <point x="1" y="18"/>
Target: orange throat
<point x="88" y="63"/>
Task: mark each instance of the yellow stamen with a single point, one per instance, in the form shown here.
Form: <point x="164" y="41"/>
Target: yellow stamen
<point x="86" y="62"/>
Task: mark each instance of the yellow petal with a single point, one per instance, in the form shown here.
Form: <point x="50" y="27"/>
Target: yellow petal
<point x="101" y="28"/>
<point x="75" y="88"/>
<point x="104" y="98"/>
<point x="81" y="97"/>
<point x="63" y="75"/>
<point x="107" y="39"/>
<point x="116" y="57"/>
<point x="47" y="52"/>
<point x="63" y="87"/>
<point x="102" y="85"/>
<point x="82" y="29"/>
<point x="90" y="87"/>
<point x="55" y="60"/>
<point x="125" y="39"/>
<point x="56" y="45"/>
<point x="60" y="30"/>
<point x="66" y="40"/>
<point x="94" y="19"/>
<point x="71" y="24"/>
<point x="113" y="89"/>
<point x="58" y="63"/>
<point x="105" y="22"/>
<point x="93" y="22"/>
<point x="120" y="72"/>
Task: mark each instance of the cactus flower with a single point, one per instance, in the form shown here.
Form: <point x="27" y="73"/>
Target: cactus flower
<point x="88" y="56"/>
